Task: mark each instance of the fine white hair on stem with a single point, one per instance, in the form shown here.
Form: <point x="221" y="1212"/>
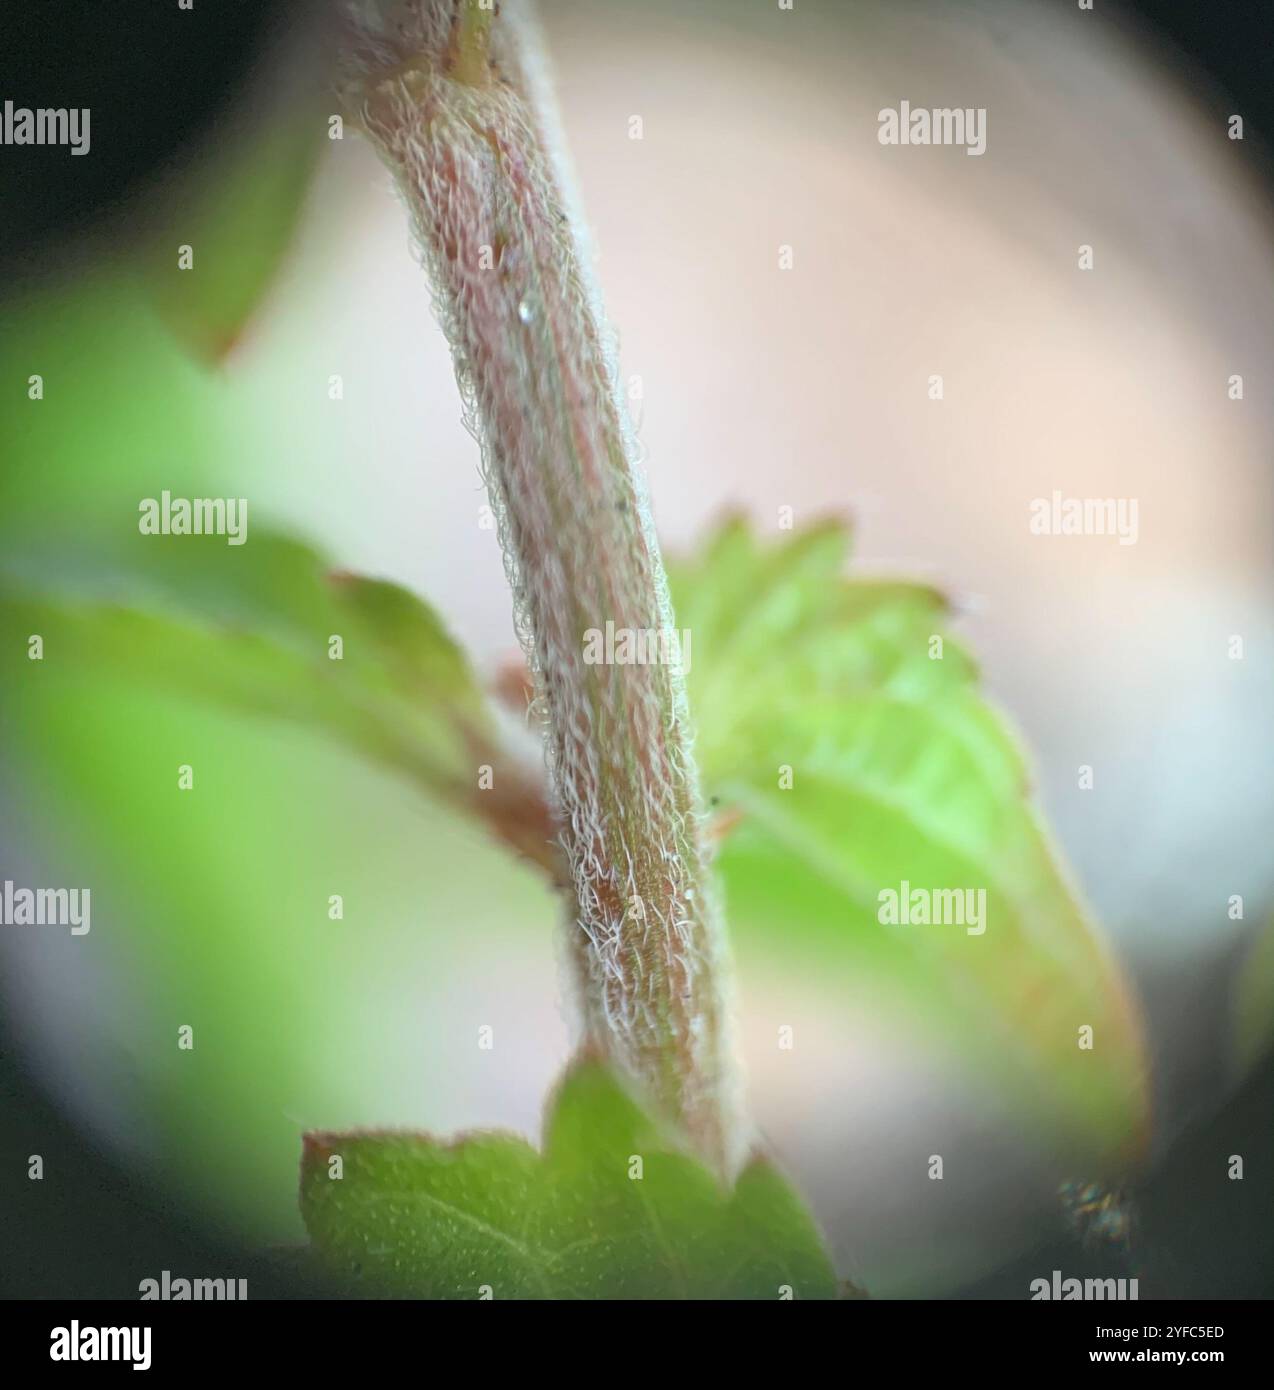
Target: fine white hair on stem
<point x="455" y="97"/>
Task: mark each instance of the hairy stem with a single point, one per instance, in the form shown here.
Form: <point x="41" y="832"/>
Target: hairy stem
<point x="453" y="99"/>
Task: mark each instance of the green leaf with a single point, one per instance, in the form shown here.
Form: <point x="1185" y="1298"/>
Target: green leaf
<point x="416" y="1217"/>
<point x="237" y="212"/>
<point x="253" y="628"/>
<point x="1254" y="1002"/>
<point x="899" y="772"/>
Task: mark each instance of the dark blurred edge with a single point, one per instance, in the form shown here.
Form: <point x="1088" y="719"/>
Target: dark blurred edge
<point x="90" y="1228"/>
<point x="1199" y="1233"/>
<point x="1223" y="51"/>
<point x="156" y="78"/>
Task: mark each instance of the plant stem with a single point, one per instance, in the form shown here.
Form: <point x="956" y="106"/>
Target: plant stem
<point x="458" y="112"/>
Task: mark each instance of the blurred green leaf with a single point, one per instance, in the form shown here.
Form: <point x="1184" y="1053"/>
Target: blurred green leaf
<point x="1254" y="1004"/>
<point x="899" y="773"/>
<point x="419" y="1218"/>
<point x="237" y="211"/>
<point x="122" y="413"/>
<point x="212" y="907"/>
<point x="265" y="628"/>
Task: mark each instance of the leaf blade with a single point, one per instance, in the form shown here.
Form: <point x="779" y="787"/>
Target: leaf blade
<point x="427" y="1219"/>
<point x="897" y="773"/>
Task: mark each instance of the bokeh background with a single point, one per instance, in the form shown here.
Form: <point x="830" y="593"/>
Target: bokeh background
<point x="759" y="389"/>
